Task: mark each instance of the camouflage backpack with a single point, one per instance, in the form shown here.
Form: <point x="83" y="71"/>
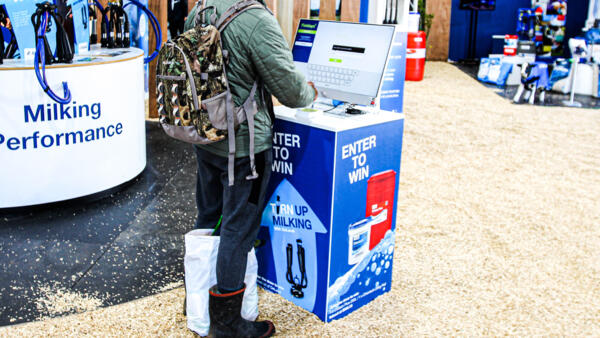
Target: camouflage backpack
<point x="195" y="104"/>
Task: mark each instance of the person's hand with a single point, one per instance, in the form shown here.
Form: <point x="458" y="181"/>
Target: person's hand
<point x="310" y="83"/>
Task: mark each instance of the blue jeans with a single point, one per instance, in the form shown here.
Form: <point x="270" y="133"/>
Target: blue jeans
<point x="241" y="206"/>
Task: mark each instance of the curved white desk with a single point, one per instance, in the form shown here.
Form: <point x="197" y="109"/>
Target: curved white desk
<point x="51" y="152"/>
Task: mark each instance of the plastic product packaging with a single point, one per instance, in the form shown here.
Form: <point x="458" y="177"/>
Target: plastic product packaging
<point x="484" y="69"/>
<point x="494" y="73"/>
<point x="559" y="72"/>
<point x="200" y="274"/>
<point x="505" y="70"/>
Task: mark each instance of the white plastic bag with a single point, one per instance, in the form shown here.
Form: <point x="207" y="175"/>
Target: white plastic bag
<point x="200" y="274"/>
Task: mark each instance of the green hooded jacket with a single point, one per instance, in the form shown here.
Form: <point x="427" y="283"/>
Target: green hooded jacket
<point x="257" y="50"/>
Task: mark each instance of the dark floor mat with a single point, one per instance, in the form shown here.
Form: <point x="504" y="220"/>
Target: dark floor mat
<point x="111" y="247"/>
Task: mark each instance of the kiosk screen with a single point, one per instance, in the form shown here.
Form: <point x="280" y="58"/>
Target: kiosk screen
<point x="346" y="61"/>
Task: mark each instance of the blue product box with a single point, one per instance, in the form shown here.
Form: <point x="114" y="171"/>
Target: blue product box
<point x="327" y="231"/>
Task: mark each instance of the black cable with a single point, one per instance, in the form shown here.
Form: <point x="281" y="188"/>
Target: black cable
<point x="332" y="108"/>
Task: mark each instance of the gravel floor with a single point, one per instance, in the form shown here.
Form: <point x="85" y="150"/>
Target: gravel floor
<point x="498" y="230"/>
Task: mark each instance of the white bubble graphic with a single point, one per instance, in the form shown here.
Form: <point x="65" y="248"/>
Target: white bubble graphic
<point x="343" y="283"/>
<point x="387" y="265"/>
<point x="378" y="271"/>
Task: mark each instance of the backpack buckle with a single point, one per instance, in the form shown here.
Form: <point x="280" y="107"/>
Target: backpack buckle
<point x="253" y="175"/>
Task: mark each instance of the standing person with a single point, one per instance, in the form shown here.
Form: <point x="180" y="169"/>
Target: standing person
<point x="257" y="50"/>
<point x="176" y="15"/>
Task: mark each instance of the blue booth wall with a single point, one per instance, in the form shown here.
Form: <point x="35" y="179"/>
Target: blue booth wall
<point x="502" y="21"/>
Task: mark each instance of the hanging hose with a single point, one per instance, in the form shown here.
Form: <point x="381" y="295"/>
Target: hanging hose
<point x="155" y="26"/>
<point x="93" y="17"/>
<point x="43" y="54"/>
<point x="104" y="27"/>
<point x="289" y="255"/>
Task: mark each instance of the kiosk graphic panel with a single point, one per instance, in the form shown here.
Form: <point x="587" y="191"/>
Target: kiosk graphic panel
<point x="327" y="229"/>
<point x="297" y="216"/>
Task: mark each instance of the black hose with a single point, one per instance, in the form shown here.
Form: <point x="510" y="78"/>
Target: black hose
<point x="385" y="19"/>
<point x="289" y="275"/>
<point x="395" y="21"/>
<point x="94" y="19"/>
<point x="64" y="51"/>
<point x="302" y="264"/>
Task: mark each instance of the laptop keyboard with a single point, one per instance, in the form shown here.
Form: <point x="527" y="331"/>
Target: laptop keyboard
<point x="332" y="75"/>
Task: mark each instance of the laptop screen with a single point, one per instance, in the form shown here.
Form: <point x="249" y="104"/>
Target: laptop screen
<point x="344" y="60"/>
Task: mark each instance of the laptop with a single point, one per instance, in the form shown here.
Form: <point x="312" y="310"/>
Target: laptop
<point x="346" y="61"/>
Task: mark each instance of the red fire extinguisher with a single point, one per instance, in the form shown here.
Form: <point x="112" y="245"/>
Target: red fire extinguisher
<point x="415" y="56"/>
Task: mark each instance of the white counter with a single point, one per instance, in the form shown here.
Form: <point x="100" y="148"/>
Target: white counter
<point x="51" y="152"/>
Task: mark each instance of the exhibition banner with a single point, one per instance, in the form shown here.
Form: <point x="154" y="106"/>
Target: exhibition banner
<point x="391" y="97"/>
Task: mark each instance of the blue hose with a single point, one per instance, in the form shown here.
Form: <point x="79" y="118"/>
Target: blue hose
<point x="155" y="26"/>
<point x="40" y="53"/>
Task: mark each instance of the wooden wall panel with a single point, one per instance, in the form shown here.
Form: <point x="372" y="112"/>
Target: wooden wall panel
<point x="327" y="10"/>
<point x="272" y="4"/>
<point x="159" y="8"/>
<point x="301" y="11"/>
<point x="350" y="10"/>
<point x="191" y="4"/>
<point x="439" y="35"/>
<point x="285" y="16"/>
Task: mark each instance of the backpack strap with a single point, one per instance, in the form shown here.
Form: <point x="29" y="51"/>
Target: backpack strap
<point x="249" y="105"/>
<point x="231" y="137"/>
<point x="249" y="109"/>
<point x="234" y="11"/>
<point x="190" y="75"/>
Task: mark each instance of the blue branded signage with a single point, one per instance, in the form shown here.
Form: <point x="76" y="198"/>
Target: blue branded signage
<point x="138" y="25"/>
<point x="392" y="90"/>
<point x="79" y="8"/>
<point x="34" y="115"/>
<point x="328" y="227"/>
<point x="305" y="37"/>
<point x="19" y="13"/>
